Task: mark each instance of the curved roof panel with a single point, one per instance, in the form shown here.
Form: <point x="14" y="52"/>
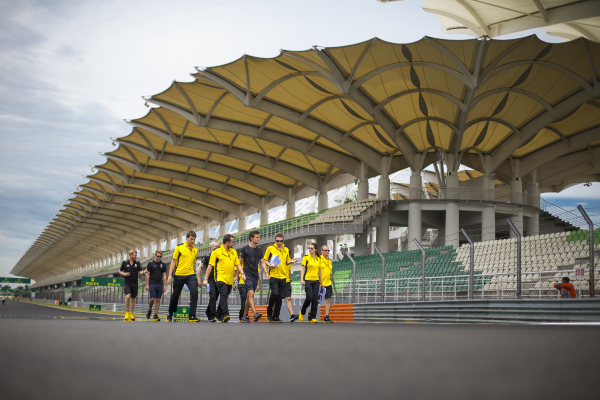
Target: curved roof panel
<point x="569" y="19"/>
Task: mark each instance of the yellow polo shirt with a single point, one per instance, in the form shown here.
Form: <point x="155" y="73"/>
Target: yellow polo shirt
<point x="283" y="271"/>
<point x="186" y="259"/>
<point x="312" y="266"/>
<point x="224" y="262"/>
<point x="326" y="271"/>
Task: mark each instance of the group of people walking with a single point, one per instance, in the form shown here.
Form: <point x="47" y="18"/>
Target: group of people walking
<point x="224" y="269"/>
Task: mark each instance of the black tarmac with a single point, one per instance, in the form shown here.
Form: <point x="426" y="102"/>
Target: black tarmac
<point x="50" y="353"/>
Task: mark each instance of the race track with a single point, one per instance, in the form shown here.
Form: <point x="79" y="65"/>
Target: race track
<point x="56" y="353"/>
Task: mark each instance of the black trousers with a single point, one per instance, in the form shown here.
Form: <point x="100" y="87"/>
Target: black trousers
<point x="213" y="296"/>
<point x="178" y="282"/>
<point x="243" y="295"/>
<point x="224" y="290"/>
<point x="312" y="298"/>
<point x="275" y="300"/>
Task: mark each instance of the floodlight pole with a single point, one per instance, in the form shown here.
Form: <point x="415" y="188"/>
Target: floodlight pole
<point x="382" y="274"/>
<point x="516" y="231"/>
<point x="353" y="277"/>
<point x="472" y="263"/>
<point x="422" y="269"/>
<point x="591" y="246"/>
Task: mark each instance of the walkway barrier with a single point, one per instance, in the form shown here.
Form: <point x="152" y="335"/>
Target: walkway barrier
<point x="481" y="311"/>
<point x="339" y="312"/>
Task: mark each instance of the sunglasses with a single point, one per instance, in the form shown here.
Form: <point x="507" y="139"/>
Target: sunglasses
<point x="159" y="255"/>
<point x="279" y="241"/>
<point x="324" y="250"/>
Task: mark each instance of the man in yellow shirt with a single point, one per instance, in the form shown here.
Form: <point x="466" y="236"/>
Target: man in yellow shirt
<point x="279" y="277"/>
<point x="184" y="258"/>
<point x="326" y="280"/>
<point x="226" y="264"/>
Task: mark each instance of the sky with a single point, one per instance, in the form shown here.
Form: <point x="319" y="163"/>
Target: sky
<point x="72" y="70"/>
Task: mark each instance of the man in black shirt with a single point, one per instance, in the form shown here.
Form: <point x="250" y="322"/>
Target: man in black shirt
<point x="250" y="256"/>
<point x="156" y="283"/>
<point x="130" y="269"/>
<point x="213" y="294"/>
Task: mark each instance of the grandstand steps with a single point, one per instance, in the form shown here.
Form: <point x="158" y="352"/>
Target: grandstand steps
<point x="553" y="223"/>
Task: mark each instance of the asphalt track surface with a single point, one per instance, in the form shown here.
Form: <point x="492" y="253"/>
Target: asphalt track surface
<point x="50" y="353"/>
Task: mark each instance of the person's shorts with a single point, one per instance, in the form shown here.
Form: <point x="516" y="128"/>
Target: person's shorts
<point x="287" y="290"/>
<point x="250" y="283"/>
<point x="156" y="291"/>
<point x="131" y="290"/>
<point x="328" y="291"/>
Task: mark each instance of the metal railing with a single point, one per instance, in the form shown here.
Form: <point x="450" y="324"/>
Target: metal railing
<point x="482" y="195"/>
<point x="535" y="285"/>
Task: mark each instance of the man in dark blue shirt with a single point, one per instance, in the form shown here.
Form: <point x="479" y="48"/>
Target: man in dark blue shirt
<point x="156" y="283"/>
<point x="251" y="256"/>
<point x="130" y="269"/>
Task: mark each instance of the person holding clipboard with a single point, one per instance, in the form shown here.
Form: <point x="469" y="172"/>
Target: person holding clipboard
<point x="278" y="259"/>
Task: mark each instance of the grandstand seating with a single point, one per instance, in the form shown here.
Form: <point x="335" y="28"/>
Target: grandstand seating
<point x="545" y="259"/>
<point x="347" y="212"/>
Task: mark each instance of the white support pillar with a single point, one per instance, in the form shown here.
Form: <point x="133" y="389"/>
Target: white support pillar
<point x="372" y="239"/>
<point x="384" y="179"/>
<point x="452" y="186"/>
<point x="489" y="180"/>
<point x="516" y="191"/>
<point x="414" y="209"/>
<point x="416" y="185"/>
<point x="323" y="199"/>
<point x="223" y="224"/>
<point x="360" y="244"/>
<point x="452" y="210"/>
<point x="241" y="219"/>
<point x="452" y="224"/>
<point x="363" y="183"/>
<point x="264" y="212"/>
<point x="488" y="224"/>
<point x="383" y="232"/>
<point x="205" y="231"/>
<point x="291" y="203"/>
<point x="414" y="224"/>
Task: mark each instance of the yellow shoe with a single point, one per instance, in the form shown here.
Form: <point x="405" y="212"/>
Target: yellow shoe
<point x="131" y="317"/>
<point x="226" y="319"/>
<point x="313" y="321"/>
<point x="126" y="316"/>
<point x="301" y="317"/>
